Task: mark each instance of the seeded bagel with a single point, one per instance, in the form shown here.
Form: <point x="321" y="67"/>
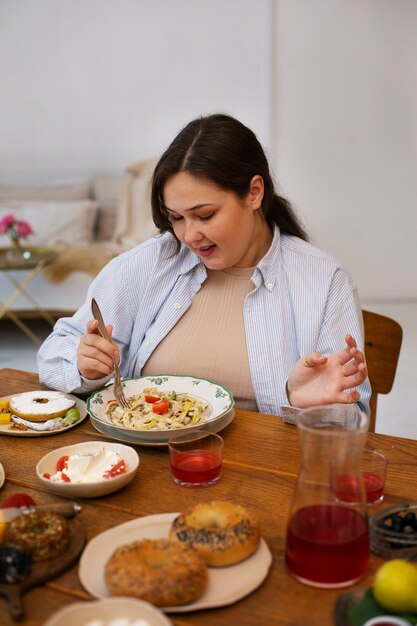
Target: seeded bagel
<point x="44" y="534"/>
<point x="161" y="572"/>
<point x="222" y="533"/>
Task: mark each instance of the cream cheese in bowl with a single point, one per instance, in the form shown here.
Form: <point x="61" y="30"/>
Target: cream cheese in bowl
<point x="90" y="467"/>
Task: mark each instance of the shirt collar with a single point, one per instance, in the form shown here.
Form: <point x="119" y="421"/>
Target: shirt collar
<point x="266" y="270"/>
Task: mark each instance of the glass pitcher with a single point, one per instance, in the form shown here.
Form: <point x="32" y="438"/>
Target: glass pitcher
<point x="327" y="536"/>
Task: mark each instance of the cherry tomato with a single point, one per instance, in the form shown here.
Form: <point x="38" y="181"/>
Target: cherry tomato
<point x="18" y="500"/>
<point x="116" y="470"/>
<point x="62" y="463"/>
<point x="46" y="475"/>
<point x="65" y="477"/>
<point x="151" y="399"/>
<point x="160" y="407"/>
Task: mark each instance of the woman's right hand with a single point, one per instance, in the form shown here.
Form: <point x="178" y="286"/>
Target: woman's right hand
<point x="95" y="354"/>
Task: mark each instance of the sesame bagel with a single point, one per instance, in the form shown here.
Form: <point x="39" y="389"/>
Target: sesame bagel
<point x="39" y="406"/>
<point x="161" y="572"/>
<point x="44" y="534"/>
<point x="222" y="533"/>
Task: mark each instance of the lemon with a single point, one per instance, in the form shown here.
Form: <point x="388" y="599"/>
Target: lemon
<point x="395" y="586"/>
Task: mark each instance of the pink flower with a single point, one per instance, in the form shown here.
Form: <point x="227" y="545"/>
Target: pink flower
<point x="6" y="222"/>
<point x="9" y="220"/>
<point x="23" y="229"/>
<point x="10" y="226"/>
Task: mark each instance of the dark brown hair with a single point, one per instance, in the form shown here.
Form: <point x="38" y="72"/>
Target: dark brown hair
<point x="220" y="149"/>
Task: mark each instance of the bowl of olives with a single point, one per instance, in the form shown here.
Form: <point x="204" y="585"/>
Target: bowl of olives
<point x="393" y="531"/>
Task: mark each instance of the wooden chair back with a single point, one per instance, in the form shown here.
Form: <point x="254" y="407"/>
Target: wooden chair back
<point x="383" y="338"/>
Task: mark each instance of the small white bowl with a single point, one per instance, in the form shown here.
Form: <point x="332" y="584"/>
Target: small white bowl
<point x="47" y="465"/>
<point x="392" y="620"/>
<point x="103" y="612"/>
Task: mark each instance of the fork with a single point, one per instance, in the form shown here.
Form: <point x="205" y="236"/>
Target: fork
<point x="117" y="387"/>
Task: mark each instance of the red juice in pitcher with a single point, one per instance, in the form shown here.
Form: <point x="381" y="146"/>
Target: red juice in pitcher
<point x="327" y="545"/>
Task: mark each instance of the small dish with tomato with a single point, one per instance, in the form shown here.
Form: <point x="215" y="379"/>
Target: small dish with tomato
<point x="88" y="470"/>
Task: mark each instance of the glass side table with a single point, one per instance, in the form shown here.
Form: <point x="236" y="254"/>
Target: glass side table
<point x="31" y="263"/>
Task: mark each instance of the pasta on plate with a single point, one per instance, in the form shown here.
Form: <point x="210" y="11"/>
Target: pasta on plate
<point x="158" y="410"/>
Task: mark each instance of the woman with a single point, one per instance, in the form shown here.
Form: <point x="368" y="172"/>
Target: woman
<point x="230" y="291"/>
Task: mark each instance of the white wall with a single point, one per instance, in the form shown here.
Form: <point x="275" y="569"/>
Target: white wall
<point x="97" y="84"/>
<point x="345" y="137"/>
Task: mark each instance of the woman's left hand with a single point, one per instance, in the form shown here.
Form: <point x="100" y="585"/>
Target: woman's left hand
<point x="316" y="379"/>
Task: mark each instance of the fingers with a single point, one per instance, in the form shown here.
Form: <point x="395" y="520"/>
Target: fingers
<point x="95" y="354"/>
<point x="349" y="382"/>
<point x="350" y="341"/>
<point x="92" y="326"/>
<point x="351" y="397"/>
<point x="346" y="355"/>
<point x="313" y="359"/>
<point x="353" y="366"/>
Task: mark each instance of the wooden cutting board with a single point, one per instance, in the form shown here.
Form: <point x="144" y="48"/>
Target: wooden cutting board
<point x="43" y="571"/>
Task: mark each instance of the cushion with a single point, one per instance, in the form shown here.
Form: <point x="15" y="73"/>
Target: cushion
<point x="53" y="222"/>
<point x="67" y="191"/>
<point x="107" y="190"/>
<point x="134" y="222"/>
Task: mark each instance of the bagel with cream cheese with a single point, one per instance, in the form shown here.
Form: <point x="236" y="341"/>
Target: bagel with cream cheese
<point x="39" y="406"/>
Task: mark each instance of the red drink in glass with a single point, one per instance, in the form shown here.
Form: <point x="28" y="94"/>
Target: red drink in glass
<point x="374" y="487"/>
<point x="196" y="458"/>
<point x="196" y="467"/>
<point x="346" y="488"/>
<point x="327" y="545"/>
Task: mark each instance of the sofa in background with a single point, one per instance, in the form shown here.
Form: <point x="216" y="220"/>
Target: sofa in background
<point x="88" y="222"/>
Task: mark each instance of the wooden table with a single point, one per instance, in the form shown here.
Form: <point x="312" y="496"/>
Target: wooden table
<point x="261" y="459"/>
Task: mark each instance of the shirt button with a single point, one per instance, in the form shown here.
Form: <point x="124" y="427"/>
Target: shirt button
<point x="198" y="270"/>
<point x="269" y="286"/>
<point x="147" y="343"/>
<point x="177" y="305"/>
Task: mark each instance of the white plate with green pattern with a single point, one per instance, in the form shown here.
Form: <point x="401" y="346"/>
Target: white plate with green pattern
<point x="219" y="411"/>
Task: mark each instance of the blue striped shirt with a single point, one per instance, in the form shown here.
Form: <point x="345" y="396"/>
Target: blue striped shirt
<point x="303" y="301"/>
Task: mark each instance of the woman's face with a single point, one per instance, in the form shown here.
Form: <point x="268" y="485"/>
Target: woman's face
<point x="222" y="229"/>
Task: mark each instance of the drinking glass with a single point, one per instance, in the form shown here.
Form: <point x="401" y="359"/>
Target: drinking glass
<point x="327" y="538"/>
<point x="373" y="465"/>
<point x="196" y="459"/>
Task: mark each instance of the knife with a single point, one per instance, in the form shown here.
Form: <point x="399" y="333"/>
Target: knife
<point x="69" y="509"/>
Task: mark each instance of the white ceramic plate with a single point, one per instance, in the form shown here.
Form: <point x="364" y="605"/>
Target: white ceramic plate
<point x="2" y="476"/>
<point x="133" y="437"/>
<point x="220" y="402"/>
<point x="5" y="430"/>
<point x="110" y="611"/>
<point x="226" y="584"/>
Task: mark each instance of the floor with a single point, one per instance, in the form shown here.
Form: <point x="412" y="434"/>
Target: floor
<point x="397" y="411"/>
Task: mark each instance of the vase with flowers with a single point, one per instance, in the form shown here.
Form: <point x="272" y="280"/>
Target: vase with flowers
<point x="16" y="230"/>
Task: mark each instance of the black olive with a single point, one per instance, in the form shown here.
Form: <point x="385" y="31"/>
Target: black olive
<point x="14" y="564"/>
<point x="410" y="517"/>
